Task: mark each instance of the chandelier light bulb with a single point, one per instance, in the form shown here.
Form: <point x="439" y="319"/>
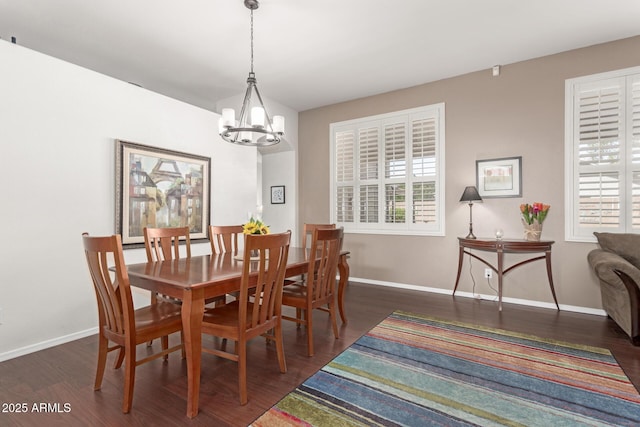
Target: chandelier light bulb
<point x="257" y="117"/>
<point x="245" y="137"/>
<point x="278" y="124"/>
<point x="228" y="117"/>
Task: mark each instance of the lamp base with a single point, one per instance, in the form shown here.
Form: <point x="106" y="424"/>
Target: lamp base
<point x="470" y="236"/>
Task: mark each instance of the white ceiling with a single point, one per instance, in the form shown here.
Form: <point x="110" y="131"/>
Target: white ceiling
<point x="307" y="53"/>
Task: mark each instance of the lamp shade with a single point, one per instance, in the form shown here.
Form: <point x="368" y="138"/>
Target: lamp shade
<point x="470" y="194"/>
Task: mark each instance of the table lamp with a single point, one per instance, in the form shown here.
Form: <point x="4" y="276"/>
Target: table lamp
<point x="470" y="194"/>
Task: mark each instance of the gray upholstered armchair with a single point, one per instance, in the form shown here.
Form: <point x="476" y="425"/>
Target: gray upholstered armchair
<point x="617" y="265"/>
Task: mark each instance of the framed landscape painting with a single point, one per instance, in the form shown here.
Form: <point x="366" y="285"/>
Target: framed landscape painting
<point x="499" y="177"/>
<point x="160" y="188"/>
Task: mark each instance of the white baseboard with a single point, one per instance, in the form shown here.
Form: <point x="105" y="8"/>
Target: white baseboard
<point x="572" y="308"/>
<point x="47" y="344"/>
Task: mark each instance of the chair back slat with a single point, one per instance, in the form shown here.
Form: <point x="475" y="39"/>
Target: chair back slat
<point x="164" y="243"/>
<point x="224" y="238"/>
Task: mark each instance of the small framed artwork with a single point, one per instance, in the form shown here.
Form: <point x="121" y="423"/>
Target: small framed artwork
<point x="277" y="195"/>
<point x="499" y="177"/>
<point x="160" y="188"/>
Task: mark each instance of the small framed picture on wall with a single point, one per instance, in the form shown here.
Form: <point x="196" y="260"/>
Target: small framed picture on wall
<point x="277" y="195"/>
<point x="499" y="177"/>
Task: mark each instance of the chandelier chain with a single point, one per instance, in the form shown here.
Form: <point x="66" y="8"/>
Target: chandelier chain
<point x="252" y="40"/>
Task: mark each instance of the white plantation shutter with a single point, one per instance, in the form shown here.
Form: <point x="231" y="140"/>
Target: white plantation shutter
<point x="635" y="198"/>
<point x="395" y="172"/>
<point x="395" y="158"/>
<point x="344" y="157"/>
<point x="424" y="202"/>
<point x="398" y="172"/>
<point x="395" y="209"/>
<point x="369" y="203"/>
<point x="423" y="151"/>
<point x="600" y="122"/>
<point x="345" y="174"/>
<point x="634" y="137"/>
<point x="423" y="146"/>
<point x="603" y="151"/>
<point x="344" y="204"/>
<point x="599" y="199"/>
<point x="368" y="141"/>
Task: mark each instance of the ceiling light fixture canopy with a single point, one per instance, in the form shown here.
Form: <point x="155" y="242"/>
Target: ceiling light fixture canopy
<point x="254" y="127"/>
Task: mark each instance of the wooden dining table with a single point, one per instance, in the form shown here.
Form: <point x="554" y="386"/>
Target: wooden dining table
<point x="195" y="279"/>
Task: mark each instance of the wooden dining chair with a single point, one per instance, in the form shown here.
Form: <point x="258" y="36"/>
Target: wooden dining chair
<point x="319" y="290"/>
<point x="308" y="230"/>
<point x="165" y="244"/>
<point x="307" y="234"/>
<point x="258" y="309"/>
<point x="224" y="238"/>
<point x="119" y="323"/>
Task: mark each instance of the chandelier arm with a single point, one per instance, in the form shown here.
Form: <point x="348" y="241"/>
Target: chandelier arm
<point x="245" y="103"/>
<point x="266" y="115"/>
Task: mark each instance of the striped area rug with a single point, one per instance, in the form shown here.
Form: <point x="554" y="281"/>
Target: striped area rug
<point x="413" y="370"/>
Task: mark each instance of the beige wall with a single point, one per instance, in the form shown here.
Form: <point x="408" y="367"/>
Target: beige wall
<point x="519" y="113"/>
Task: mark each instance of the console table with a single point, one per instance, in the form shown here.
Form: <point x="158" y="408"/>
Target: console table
<point x="500" y="247"/>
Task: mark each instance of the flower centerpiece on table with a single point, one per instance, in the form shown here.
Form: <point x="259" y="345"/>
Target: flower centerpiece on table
<point x="255" y="226"/>
<point x="533" y="215"/>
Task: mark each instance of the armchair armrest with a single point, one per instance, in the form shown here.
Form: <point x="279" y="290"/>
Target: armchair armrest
<point x="604" y="263"/>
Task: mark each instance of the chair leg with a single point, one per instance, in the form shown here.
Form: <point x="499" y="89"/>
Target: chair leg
<point x="183" y="351"/>
<point x="154" y="300"/>
<point x="277" y="333"/>
<point x="334" y="320"/>
<point x="298" y="316"/>
<point x="308" y="314"/>
<point x="129" y="378"/>
<point x="242" y="371"/>
<point x="165" y="345"/>
<point x="103" y="344"/>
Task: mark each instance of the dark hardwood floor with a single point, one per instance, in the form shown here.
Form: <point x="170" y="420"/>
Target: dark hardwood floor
<point x="65" y="374"/>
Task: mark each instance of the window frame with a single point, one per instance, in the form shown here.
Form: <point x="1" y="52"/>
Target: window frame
<point x="625" y="167"/>
<point x="434" y="113"/>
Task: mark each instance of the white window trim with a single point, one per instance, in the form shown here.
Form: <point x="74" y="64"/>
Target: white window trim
<point x="430" y="229"/>
<point x="571" y="233"/>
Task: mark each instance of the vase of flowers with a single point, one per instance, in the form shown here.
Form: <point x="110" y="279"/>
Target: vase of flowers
<point x="533" y="215"/>
<point x="255" y="226"/>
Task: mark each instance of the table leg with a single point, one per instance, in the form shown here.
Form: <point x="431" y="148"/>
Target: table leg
<point x="343" y="269"/>
<point x="500" y="275"/>
<point x="553" y="291"/>
<point x="192" y="312"/>
<point x="460" y="258"/>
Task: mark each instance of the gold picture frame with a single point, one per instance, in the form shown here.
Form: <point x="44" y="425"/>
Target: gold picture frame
<point x="156" y="187"/>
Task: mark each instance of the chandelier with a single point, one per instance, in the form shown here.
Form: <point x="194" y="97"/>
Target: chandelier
<point x="254" y="127"/>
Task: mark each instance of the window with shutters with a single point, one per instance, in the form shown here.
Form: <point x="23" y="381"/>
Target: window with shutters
<point x="602" y="154"/>
<point x="387" y="172"/>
